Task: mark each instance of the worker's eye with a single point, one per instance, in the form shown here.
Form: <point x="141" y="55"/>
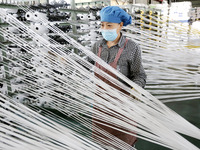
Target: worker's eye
<point x="109" y="25"/>
<point x="102" y="25"/>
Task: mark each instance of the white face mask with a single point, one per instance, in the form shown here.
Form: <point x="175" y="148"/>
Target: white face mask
<point x="109" y="34"/>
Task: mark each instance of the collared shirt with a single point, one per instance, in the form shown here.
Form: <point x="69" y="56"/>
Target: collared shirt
<point x="129" y="63"/>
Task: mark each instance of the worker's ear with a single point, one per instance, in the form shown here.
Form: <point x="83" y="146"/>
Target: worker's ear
<point x="121" y="24"/>
<point x="120" y="27"/>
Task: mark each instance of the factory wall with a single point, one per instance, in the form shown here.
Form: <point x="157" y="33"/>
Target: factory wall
<point x="195" y="3"/>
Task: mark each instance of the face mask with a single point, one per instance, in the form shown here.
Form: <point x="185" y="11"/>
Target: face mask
<point x="109" y="35"/>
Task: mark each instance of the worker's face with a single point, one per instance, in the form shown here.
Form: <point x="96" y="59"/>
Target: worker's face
<point x="109" y="25"/>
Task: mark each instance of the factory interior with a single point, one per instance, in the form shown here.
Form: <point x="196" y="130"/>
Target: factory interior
<point x="52" y="98"/>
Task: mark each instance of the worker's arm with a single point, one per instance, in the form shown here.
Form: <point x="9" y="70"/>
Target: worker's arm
<point x="137" y="73"/>
<point x="93" y="48"/>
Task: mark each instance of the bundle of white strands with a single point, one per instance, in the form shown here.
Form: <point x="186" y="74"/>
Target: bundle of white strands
<point x="23" y="128"/>
<point x="65" y="82"/>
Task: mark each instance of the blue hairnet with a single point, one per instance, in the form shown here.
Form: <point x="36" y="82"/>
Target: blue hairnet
<point x="115" y="14"/>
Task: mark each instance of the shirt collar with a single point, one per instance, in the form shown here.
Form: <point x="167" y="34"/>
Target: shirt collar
<point x="119" y="44"/>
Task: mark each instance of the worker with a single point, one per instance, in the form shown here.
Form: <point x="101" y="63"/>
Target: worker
<point x="119" y="52"/>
